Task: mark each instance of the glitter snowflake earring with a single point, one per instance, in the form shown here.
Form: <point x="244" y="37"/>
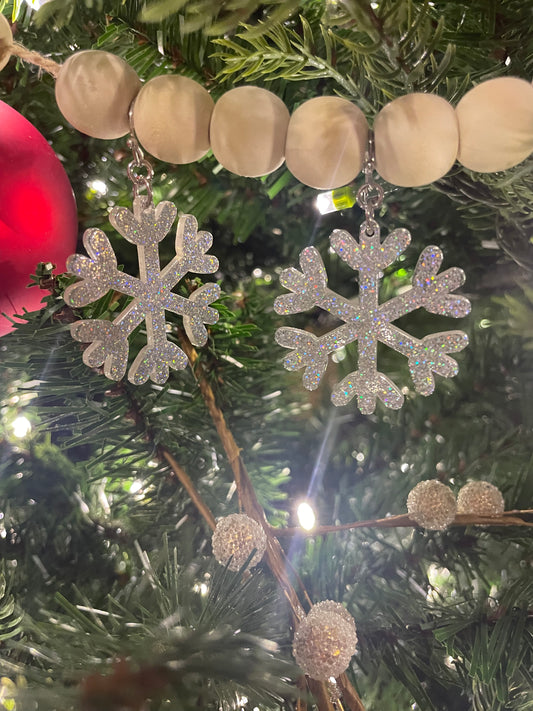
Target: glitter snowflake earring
<point x="152" y="292"/>
<point x="370" y="322"/>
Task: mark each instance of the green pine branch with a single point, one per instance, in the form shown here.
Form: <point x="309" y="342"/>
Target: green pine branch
<point x="10" y="617"/>
<point x="171" y="631"/>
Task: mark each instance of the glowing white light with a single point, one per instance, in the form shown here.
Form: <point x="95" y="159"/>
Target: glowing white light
<point x="339" y="355"/>
<point x="306" y="516"/>
<point x="242" y="700"/>
<point x="21" y="427"/>
<point x="203" y="589"/>
<point x="324" y="203"/>
<point x="136" y="486"/>
<point x="97" y="186"/>
<point x="36" y="4"/>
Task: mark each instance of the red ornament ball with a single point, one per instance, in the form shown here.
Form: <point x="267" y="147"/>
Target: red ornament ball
<point x="38" y="219"/>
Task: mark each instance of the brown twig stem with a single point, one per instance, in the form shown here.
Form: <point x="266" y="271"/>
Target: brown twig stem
<point x="178" y="472"/>
<point x="189" y="487"/>
<point x="275" y="557"/>
<point x="349" y="695"/>
<point x="507" y="518"/>
<point x="247" y="496"/>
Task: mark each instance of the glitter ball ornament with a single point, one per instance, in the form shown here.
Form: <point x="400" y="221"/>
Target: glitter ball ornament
<point x="38" y="217"/>
<point x="432" y="505"/>
<point x="480" y="498"/>
<point x="325" y="641"/>
<point x="235" y="537"/>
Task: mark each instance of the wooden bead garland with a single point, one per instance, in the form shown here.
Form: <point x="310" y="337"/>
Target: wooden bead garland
<point x="94" y="91"/>
<point x="416" y="138"/>
<point x="6" y="41"/>
<point x="171" y="116"/>
<point x="496" y="124"/>
<point x="248" y="130"/>
<point x="326" y="142"/>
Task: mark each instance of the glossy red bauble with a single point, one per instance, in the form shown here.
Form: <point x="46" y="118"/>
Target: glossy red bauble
<point x="38" y="220"/>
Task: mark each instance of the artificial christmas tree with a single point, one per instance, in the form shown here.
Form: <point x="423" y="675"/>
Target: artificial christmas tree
<point x="110" y="490"/>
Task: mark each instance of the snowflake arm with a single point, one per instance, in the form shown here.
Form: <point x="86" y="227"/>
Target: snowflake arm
<point x="309" y="288"/>
<point x="367" y="386"/>
<point x="195" y="311"/>
<point x="311" y="352"/>
<point x="427" y="355"/>
<point x="145" y="227"/>
<point x="430" y="290"/>
<point x="191" y="248"/>
<point x="369" y="254"/>
<point x="368" y="323"/>
<point x="98" y="274"/>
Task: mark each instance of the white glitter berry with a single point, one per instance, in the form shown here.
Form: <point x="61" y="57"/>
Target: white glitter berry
<point x="432" y="505"/>
<point x="369" y="322"/>
<point x="237" y="535"/>
<point x="152" y="292"/>
<point x="480" y="498"/>
<point x="325" y="641"/>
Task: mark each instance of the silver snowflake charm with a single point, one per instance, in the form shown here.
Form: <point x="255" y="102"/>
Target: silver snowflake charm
<point x="152" y="292"/>
<point x="369" y="322"/>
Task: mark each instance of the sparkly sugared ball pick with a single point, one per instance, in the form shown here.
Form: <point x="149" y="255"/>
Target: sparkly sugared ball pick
<point x="325" y="641"/>
<point x="235" y="537"/>
<point x="432" y="505"/>
<point x="480" y="498"/>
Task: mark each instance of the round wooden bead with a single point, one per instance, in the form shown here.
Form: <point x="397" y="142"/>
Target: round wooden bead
<point x="496" y="124"/>
<point x="248" y="131"/>
<point x="171" y="116"/>
<point x="416" y="139"/>
<point x="326" y="142"/>
<point x="94" y="91"/>
<point x="6" y="41"/>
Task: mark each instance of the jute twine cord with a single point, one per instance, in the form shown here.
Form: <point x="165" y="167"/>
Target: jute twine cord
<point x="28" y="55"/>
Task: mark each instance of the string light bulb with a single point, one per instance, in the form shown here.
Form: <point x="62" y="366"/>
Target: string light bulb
<point x="306" y="516"/>
<point x="335" y="200"/>
<point x="21" y="427"/>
